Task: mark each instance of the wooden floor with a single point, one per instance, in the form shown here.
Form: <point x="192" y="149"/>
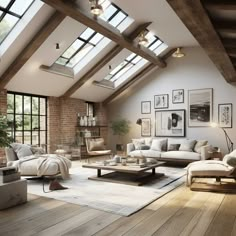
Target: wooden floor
<point x="181" y="212"/>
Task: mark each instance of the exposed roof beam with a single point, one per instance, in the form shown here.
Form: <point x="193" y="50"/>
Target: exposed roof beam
<point x="221" y="5"/>
<point x="194" y="16"/>
<point x="31" y="48"/>
<point x="232" y="52"/>
<point x="226" y="27"/>
<point x="70" y="8"/>
<point x="98" y="66"/>
<point x="229" y="43"/>
<point x="135" y="79"/>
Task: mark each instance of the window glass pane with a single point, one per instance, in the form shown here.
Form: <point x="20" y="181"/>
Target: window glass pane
<point x="96" y="39"/>
<point x="18" y="122"/>
<point x="117" y="19"/>
<point x="35" y="123"/>
<point x="10" y="103"/>
<point x="27" y="137"/>
<point x="10" y="122"/>
<point x="35" y="105"/>
<point x="4" y="3"/>
<point x="80" y="55"/>
<point x="18" y="138"/>
<point x="27" y="105"/>
<point x="131" y="56"/>
<point x="160" y="49"/>
<point x="136" y="59"/>
<point x="42" y="137"/>
<point x="155" y="45"/>
<point x="35" y="138"/>
<point x="42" y="123"/>
<point x="73" y="48"/>
<point x="6" y="25"/>
<point x="118" y="67"/>
<point x="42" y="106"/>
<point x="27" y="122"/>
<point x="108" y="12"/>
<point x="19" y="7"/>
<point x="18" y="101"/>
<point x="61" y="61"/>
<point x="87" y="33"/>
<point x="127" y="67"/>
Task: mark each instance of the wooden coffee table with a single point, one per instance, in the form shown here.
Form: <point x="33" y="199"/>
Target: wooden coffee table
<point x="129" y="174"/>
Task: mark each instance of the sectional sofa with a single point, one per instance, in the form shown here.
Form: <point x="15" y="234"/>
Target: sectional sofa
<point x="169" y="149"/>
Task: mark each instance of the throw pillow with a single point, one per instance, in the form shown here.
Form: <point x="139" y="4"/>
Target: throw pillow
<point x="233" y="153"/>
<point x="21" y="150"/>
<point x="173" y="147"/>
<point x="187" y="145"/>
<point x="231" y="160"/>
<point x="96" y="145"/>
<point x="37" y="150"/>
<point x="148" y="141"/>
<point x="198" y="145"/>
<point x="144" y="147"/>
<point x="158" y="144"/>
<point x="137" y="143"/>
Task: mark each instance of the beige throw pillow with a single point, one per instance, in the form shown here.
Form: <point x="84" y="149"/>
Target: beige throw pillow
<point x="187" y="145"/>
<point x="96" y="145"/>
<point x="199" y="144"/>
<point x="158" y="144"/>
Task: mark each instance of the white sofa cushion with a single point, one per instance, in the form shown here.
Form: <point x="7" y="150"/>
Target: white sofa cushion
<point x="199" y="144"/>
<point x="21" y="150"/>
<point x="146" y="153"/>
<point x="187" y="145"/>
<point x="181" y="155"/>
<point x="138" y="142"/>
<point x="158" y="144"/>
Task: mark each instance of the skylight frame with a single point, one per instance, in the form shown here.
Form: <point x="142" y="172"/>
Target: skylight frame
<point x="67" y="64"/>
<point x="6" y="11"/>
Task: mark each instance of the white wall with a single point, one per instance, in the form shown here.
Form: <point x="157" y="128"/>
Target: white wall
<point x="194" y="71"/>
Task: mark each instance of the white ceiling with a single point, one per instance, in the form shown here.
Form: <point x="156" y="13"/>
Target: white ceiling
<point x="30" y="79"/>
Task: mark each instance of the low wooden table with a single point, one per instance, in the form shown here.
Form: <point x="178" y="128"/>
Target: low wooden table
<point x="128" y="174"/>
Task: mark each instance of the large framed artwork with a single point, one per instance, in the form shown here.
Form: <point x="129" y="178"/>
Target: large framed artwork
<point x="146" y="127"/>
<point x="170" y="123"/>
<point x="146" y="107"/>
<point x="177" y="96"/>
<point x="161" y="101"/>
<point x="225" y="115"/>
<point x="200" y="107"/>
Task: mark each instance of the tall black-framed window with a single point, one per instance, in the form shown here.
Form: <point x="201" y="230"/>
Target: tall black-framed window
<point x="27" y="118"/>
<point x="11" y="11"/>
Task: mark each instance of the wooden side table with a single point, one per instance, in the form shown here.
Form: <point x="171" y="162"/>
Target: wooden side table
<point x="215" y="155"/>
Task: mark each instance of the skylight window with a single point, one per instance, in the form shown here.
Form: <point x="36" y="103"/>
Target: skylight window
<point x="154" y="44"/>
<point x="11" y="11"/>
<point x="89" y="38"/>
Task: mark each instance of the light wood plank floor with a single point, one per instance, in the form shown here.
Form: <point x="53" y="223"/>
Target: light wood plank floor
<point x="181" y="212"/>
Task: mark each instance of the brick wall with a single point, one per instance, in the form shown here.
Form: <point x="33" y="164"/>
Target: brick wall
<point x="3" y="110"/>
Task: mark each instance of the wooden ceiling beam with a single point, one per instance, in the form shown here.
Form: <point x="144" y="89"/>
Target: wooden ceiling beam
<point x="31" y="48"/>
<point x="99" y="65"/>
<point x="194" y="16"/>
<point x="136" y="78"/>
<point x="229" y="43"/>
<point x="220" y="4"/>
<point x="225" y="27"/>
<point x="232" y="52"/>
<point x="71" y="9"/>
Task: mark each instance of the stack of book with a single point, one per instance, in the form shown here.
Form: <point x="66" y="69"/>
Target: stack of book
<point x="8" y="174"/>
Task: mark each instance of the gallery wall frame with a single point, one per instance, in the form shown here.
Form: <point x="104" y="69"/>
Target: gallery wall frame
<point x="170" y="123"/>
<point x="177" y="96"/>
<point x="225" y="115"/>
<point x="200" y="106"/>
<point x="146" y="127"/>
<point x="146" y="107"/>
<point x="161" y="101"/>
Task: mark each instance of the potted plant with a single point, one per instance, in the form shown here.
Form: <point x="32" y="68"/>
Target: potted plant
<point x="120" y="127"/>
<point x="5" y="139"/>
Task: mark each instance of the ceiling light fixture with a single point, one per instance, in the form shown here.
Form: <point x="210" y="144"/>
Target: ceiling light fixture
<point x="142" y="40"/>
<point x="178" y="53"/>
<point x="96" y="8"/>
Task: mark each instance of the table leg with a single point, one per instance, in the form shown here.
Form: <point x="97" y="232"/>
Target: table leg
<point x="153" y="171"/>
<point x="98" y="172"/>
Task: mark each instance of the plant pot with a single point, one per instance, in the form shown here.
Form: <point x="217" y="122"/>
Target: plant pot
<point x="119" y="147"/>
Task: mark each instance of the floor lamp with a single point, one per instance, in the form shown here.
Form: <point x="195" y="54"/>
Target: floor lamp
<point x="230" y="144"/>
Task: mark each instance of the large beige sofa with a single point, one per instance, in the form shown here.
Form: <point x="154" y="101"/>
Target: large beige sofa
<point x="169" y="149"/>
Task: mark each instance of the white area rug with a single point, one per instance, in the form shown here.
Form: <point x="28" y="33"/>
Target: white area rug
<point x="111" y="197"/>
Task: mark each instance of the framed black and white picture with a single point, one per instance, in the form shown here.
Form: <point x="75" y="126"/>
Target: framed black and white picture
<point x="146" y="107"/>
<point x="146" y="127"/>
<point x="225" y="115"/>
<point x="161" y="101"/>
<point x="177" y="96"/>
<point x="200" y="107"/>
<point x="170" y="123"/>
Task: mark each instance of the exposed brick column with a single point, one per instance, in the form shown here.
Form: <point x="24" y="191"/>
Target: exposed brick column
<point x="3" y="110"/>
